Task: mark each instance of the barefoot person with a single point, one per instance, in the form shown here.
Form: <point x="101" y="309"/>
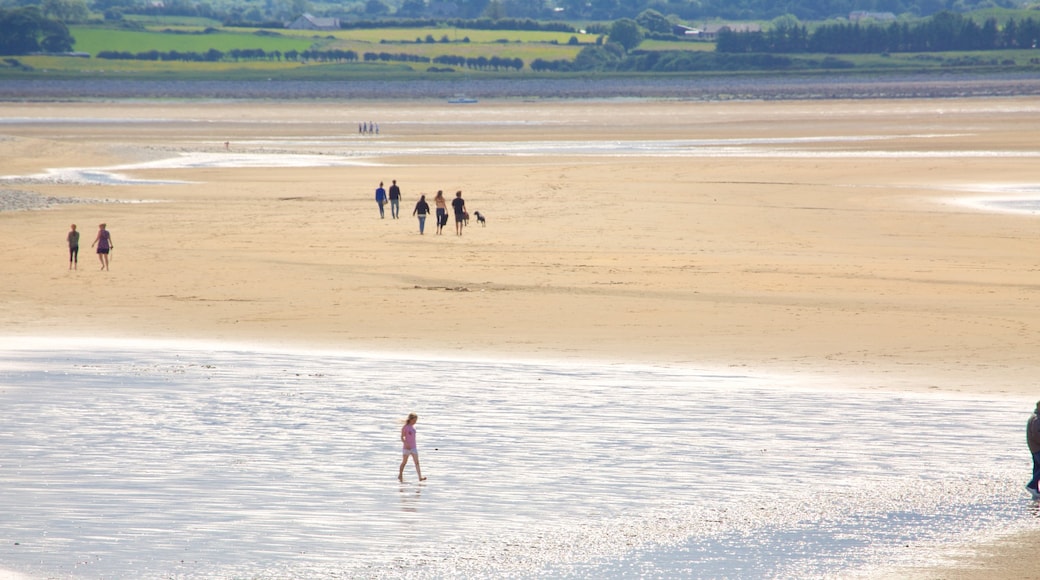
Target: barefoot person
<point x="408" y="439"/>
<point x="73" y="239"/>
<point x="103" y="241"/>
<point x="381" y="199"/>
<point x="421" y="210"/>
<point x="459" y="205"/>
<point x="1033" y="441"/>
<point x="395" y="200"/>
<point x="442" y="210"/>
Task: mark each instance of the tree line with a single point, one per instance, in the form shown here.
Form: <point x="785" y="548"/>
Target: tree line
<point x="322" y="56"/>
<point x="945" y="31"/>
<point x="387" y="12"/>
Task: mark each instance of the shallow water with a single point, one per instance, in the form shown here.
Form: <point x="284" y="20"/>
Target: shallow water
<point x="314" y="151"/>
<point x="150" y="460"/>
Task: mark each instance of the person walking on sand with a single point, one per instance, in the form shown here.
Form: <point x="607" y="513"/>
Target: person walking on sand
<point x="421" y="209"/>
<point x="380" y="198"/>
<point x="395" y="200"/>
<point x="104" y="244"/>
<point x="1033" y="441"/>
<point x="408" y="440"/>
<point x="442" y="210"/>
<point x="73" y="239"/>
<point x="459" y="205"/>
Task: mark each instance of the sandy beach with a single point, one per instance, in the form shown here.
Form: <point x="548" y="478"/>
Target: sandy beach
<point x="826" y="238"/>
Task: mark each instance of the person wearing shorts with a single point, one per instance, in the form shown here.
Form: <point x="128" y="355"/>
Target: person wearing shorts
<point x="410" y="449"/>
<point x="104" y="244"/>
<point x="459" y="205"/>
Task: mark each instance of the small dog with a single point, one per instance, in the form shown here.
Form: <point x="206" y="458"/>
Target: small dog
<point x="480" y="219"/>
<point x="465" y="218"/>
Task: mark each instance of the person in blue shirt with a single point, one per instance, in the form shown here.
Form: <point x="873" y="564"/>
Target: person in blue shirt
<point x="381" y="198"/>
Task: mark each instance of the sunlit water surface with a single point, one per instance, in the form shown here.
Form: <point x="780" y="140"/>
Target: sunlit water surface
<point x="148" y="460"/>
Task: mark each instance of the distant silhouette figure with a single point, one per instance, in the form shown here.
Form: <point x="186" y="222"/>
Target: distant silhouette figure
<point x="73" y="239"/>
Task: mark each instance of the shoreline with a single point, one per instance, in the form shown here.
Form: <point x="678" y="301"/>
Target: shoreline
<point x="818" y="379"/>
<point x="815" y="378"/>
<point x="831" y="86"/>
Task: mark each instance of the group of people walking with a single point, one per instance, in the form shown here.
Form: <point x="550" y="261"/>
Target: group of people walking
<point x="103" y="241"/>
<point x="422" y="207"/>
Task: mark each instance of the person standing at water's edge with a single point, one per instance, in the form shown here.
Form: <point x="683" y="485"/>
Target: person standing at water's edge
<point x="1033" y="440"/>
<point x="395" y="200"/>
<point x="104" y="244"/>
<point x="380" y="198"/>
<point x="408" y="440"/>
<point x="73" y="239"/>
<point x="421" y="210"/>
<point x="459" y="205"/>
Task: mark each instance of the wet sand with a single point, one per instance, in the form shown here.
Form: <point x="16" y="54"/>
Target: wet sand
<point x="809" y="238"/>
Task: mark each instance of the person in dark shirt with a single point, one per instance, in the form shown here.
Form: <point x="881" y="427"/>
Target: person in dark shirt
<point x="1033" y="440"/>
<point x="421" y="210"/>
<point x="395" y="200"/>
<point x="459" y="205"/>
<point x="73" y="239"/>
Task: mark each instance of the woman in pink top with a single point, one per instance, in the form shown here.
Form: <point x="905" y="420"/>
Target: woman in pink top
<point x="408" y="439"/>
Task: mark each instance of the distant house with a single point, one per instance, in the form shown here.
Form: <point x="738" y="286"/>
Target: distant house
<point x="711" y="31"/>
<point x="308" y="22"/>
<point x="858" y="15"/>
<point x="680" y="30"/>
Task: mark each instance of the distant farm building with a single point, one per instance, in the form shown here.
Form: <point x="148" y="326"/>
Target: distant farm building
<point x="711" y="31"/>
<point x="309" y="22"/>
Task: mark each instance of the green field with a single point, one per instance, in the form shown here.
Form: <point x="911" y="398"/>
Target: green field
<point x="526" y="46"/>
<point x="94" y="40"/>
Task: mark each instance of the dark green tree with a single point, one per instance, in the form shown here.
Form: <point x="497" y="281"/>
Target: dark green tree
<point x="411" y="9"/>
<point x="626" y="32"/>
<point x="376" y="8"/>
<point x="602" y="57"/>
<point x="26" y="30"/>
<point x="654" y="21"/>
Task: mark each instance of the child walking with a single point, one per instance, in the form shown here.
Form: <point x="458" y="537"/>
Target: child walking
<point x="408" y="439"/>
